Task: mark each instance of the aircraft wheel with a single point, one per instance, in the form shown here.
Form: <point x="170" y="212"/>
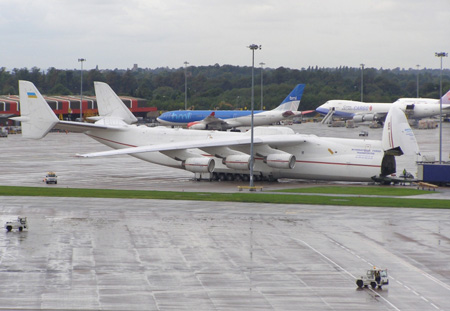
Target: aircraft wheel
<point x="8" y="228"/>
<point x="222" y="176"/>
<point x="360" y="283"/>
<point x="20" y="228"/>
<point x="215" y="176"/>
<point x="230" y="177"/>
<point x="237" y="177"/>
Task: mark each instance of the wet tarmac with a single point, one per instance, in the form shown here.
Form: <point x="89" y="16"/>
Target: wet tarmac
<point x="116" y="254"/>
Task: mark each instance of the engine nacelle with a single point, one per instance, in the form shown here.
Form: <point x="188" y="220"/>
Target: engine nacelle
<point x="196" y="126"/>
<point x="237" y="161"/>
<point x="281" y="160"/>
<point x="366" y="117"/>
<point x="358" y="118"/>
<point x="199" y="165"/>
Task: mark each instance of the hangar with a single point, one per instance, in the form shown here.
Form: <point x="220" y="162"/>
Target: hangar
<point x="67" y="107"/>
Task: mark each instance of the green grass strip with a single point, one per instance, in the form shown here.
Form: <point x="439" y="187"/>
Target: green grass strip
<point x="250" y="197"/>
<point x="358" y="190"/>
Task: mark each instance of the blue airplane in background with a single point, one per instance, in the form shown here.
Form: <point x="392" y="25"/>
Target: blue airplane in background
<point x="230" y="119"/>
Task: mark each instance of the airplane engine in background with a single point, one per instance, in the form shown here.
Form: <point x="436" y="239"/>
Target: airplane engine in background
<point x="281" y="160"/>
<point x="365" y="117"/>
<point x="237" y="161"/>
<point x="199" y="165"/>
<point x="196" y="126"/>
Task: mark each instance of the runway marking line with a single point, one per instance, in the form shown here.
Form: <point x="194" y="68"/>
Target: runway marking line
<point x="406" y="287"/>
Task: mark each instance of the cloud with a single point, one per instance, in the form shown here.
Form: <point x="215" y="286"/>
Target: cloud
<point x="154" y="33"/>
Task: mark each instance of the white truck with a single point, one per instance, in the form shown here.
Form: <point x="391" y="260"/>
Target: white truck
<point x="19" y="224"/>
<point x="374" y="277"/>
<point x="51" y="178"/>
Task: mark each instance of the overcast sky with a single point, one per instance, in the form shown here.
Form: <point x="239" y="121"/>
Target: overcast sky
<point x="159" y="33"/>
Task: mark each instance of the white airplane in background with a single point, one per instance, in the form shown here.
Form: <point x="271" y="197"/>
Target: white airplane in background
<point x="414" y="108"/>
<point x="278" y="151"/>
<point x="230" y="119"/>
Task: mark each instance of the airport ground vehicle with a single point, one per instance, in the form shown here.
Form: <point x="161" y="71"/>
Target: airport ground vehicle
<point x="364" y="133"/>
<point x="374" y="277"/>
<point x="19" y="224"/>
<point x="51" y="178"/>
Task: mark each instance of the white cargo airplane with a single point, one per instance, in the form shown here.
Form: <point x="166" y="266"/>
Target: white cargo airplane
<point x="278" y="151"/>
<point x="414" y="108"/>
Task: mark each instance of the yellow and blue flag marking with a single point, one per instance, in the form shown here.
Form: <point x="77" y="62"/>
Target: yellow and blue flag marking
<point x="31" y="95"/>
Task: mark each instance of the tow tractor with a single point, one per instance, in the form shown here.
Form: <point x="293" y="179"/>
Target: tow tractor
<point x="374" y="277"/>
<point x="19" y="224"/>
<point x="51" y="178"/>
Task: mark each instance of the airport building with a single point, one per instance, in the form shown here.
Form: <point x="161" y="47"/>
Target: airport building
<point x="67" y="107"/>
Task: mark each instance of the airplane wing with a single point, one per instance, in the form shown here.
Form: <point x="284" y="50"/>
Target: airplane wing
<point x="301" y="113"/>
<point x="275" y="141"/>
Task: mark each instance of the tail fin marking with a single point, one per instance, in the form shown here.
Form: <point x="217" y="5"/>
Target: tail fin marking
<point x="292" y="101"/>
<point x="35" y="114"/>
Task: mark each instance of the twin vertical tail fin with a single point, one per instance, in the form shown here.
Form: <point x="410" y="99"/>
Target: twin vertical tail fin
<point x="292" y="101"/>
<point x="398" y="137"/>
<point x="35" y="114"/>
<point x="110" y="105"/>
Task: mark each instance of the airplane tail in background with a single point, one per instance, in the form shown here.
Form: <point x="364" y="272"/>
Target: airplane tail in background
<point x="110" y="105"/>
<point x="292" y="101"/>
<point x="398" y="137"/>
<point x="446" y="98"/>
<point x="35" y="114"/>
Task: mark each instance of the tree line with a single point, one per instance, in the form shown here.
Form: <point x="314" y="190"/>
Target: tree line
<point x="229" y="87"/>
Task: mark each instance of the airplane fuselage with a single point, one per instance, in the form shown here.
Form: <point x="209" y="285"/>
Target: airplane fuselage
<point x="319" y="158"/>
<point x="234" y="118"/>
<point x="415" y="108"/>
<point x="348" y="108"/>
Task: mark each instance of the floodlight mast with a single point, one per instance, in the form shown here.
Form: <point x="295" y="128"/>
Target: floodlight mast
<point x="252" y="47"/>
<point x="362" y="82"/>
<point x="418" y="66"/>
<point x="185" y="85"/>
<point x="81" y="60"/>
<point x="440" y="55"/>
<point x="262" y="71"/>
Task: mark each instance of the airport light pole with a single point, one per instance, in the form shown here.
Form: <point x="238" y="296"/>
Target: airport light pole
<point x="442" y="54"/>
<point x="262" y="70"/>
<point x="417" y="80"/>
<point x="362" y="82"/>
<point x="185" y="85"/>
<point x="81" y="60"/>
<point x="252" y="47"/>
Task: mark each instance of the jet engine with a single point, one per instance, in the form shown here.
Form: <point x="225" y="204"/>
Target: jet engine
<point x="366" y="117"/>
<point x="237" y="161"/>
<point x="199" y="165"/>
<point x="197" y="126"/>
<point x="281" y="160"/>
